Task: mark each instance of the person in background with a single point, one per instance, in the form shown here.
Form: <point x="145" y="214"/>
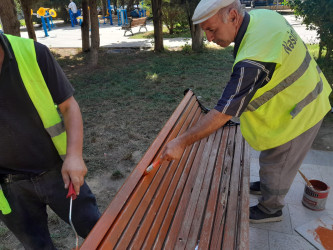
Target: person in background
<point x="73" y="8"/>
<point x="277" y="90"/>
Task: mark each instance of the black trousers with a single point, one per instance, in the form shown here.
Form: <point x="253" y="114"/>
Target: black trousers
<point x="28" y="199"/>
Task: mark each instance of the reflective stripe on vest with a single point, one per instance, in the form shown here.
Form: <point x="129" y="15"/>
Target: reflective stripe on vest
<point x="309" y="98"/>
<point x="25" y="55"/>
<point x="296" y="97"/>
<point x="256" y="103"/>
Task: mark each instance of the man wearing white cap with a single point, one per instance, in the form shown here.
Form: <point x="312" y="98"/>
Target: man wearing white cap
<point x="277" y="90"/>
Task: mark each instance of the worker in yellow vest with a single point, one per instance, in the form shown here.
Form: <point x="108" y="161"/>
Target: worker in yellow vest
<point x="40" y="154"/>
<point x="277" y="90"/>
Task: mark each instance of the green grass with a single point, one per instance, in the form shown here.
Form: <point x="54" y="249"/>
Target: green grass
<point x="129" y="97"/>
<point x="151" y="76"/>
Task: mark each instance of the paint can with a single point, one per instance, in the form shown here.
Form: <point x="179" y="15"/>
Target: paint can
<point x="315" y="197"/>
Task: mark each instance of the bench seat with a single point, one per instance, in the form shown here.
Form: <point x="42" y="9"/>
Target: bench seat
<point x="198" y="202"/>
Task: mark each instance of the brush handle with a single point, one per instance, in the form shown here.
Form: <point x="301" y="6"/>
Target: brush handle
<point x="152" y="166"/>
<point x="306" y="179"/>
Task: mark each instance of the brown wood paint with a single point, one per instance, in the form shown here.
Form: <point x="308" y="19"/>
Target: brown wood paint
<point x="324" y="236"/>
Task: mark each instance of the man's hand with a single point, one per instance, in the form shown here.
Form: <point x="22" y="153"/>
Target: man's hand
<point x="209" y="124"/>
<point x="74" y="169"/>
<point x="173" y="150"/>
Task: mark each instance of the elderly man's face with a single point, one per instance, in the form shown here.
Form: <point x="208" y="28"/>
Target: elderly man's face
<point x="219" y="32"/>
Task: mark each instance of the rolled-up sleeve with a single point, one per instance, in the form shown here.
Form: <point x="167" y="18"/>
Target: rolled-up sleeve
<point x="247" y="77"/>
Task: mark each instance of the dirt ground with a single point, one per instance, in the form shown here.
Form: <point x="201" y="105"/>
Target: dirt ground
<point x="118" y="153"/>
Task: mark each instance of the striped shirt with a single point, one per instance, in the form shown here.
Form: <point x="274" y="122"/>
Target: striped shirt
<point x="247" y="77"/>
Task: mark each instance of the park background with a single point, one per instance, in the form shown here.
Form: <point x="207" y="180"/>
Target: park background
<point x="126" y="94"/>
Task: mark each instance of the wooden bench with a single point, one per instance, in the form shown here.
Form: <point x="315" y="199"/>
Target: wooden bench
<point x="201" y="200"/>
<point x="133" y="22"/>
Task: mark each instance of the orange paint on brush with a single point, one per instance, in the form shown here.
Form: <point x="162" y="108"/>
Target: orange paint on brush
<point x="325" y="237"/>
<point x="152" y="166"/>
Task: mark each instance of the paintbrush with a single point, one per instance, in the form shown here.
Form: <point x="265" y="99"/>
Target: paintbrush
<point x="308" y="183"/>
<point x="152" y="166"/>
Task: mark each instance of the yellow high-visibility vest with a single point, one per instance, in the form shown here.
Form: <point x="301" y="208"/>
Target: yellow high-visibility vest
<point x="25" y="55"/>
<point x="296" y="97"/>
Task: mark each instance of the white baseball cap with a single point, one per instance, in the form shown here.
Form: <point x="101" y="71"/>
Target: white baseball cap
<point x="208" y="8"/>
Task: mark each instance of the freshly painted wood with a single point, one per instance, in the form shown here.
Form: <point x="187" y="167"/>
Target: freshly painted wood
<point x="199" y="201"/>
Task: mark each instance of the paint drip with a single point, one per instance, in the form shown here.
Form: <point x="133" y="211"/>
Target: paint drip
<point x="324" y="236"/>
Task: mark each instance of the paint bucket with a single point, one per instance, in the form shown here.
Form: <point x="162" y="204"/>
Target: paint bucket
<point x="315" y="198"/>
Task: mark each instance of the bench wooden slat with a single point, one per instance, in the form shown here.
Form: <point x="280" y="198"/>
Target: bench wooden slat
<point x="231" y="216"/>
<point x="162" y="229"/>
<point x="156" y="208"/>
<point x="157" y="181"/>
<point x="137" y="21"/>
<point x="194" y="235"/>
<point x="207" y="229"/>
<point x="224" y="189"/>
<point x="181" y="208"/>
<point x="124" y="192"/>
<point x="200" y="200"/>
<point x="182" y="236"/>
<point x="163" y="196"/>
<point x="198" y="195"/>
<point x="144" y="184"/>
<point x="243" y="224"/>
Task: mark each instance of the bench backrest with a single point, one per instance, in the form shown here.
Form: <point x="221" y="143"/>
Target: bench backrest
<point x="199" y="200"/>
<point x="138" y="21"/>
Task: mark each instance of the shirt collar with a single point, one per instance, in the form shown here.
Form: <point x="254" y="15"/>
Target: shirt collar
<point x="241" y="32"/>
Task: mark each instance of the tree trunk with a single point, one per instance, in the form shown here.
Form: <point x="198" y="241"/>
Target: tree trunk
<point x="196" y="31"/>
<point x="105" y="7"/>
<point x="329" y="50"/>
<point x="85" y="27"/>
<point x="8" y="17"/>
<point x="26" y="8"/>
<point x="130" y="6"/>
<point x="197" y="38"/>
<point x="157" y="19"/>
<point x="94" y="32"/>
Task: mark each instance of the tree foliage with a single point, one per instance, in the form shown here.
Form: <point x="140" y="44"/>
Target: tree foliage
<point x="318" y="15"/>
<point x="174" y="17"/>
